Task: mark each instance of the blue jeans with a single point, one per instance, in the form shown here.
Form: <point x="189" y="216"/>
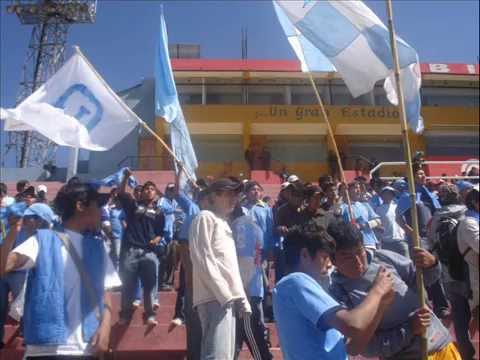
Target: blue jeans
<point x="138" y="263"/>
<point x="218" y="331"/>
<point x="14" y="283"/>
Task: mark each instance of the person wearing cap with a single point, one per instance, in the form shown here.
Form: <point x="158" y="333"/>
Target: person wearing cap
<point x="37" y="216"/>
<point x="393" y="236"/>
<point x="65" y="314"/>
<point x="315" y="217"/>
<point x="42" y="191"/>
<point x="468" y="244"/>
<point x="218" y="290"/>
<point x="141" y="248"/>
<point x="464" y="188"/>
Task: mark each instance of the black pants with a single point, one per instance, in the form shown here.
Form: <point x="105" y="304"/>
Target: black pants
<point x="180" y="302"/>
<point x="254" y="333"/>
<point x="461" y="317"/>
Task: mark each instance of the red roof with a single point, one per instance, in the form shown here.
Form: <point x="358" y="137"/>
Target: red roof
<point x="294" y="66"/>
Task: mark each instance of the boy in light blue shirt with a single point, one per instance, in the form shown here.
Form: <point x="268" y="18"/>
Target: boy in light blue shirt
<point x="249" y="244"/>
<point x="365" y="218"/>
<point x="310" y="323"/>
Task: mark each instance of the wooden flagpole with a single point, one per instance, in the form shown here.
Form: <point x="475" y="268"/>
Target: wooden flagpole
<point x="332" y="138"/>
<point x="408" y="155"/>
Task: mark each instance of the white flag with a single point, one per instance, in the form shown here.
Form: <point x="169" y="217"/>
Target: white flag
<point x="76" y="108"/>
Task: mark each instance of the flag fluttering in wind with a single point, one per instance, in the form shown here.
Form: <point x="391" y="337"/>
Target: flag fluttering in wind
<point x="168" y="106"/>
<point x="116" y="179"/>
<point x="349" y="36"/>
<point x="76" y="108"/>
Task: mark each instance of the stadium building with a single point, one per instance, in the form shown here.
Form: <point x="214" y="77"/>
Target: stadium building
<point x="269" y="108"/>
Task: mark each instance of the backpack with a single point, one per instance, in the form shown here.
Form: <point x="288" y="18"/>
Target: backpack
<point x="446" y="246"/>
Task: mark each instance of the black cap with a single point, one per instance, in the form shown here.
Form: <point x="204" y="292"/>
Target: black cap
<point x="225" y="185"/>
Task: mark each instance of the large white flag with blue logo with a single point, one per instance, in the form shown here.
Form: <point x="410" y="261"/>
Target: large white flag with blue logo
<point x="356" y="43"/>
<point x="76" y="108"/>
<point x="168" y="106"/>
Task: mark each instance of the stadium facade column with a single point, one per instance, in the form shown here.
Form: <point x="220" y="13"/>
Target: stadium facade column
<point x="246" y="134"/>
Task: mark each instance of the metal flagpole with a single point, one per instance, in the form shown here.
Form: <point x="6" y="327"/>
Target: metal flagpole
<point x="332" y="138"/>
<point x="408" y="155"/>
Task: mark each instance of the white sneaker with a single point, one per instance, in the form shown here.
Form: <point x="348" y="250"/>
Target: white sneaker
<point x="136" y="304"/>
<point x="155" y="306"/>
<point x="151" y="321"/>
<point x="177" y="322"/>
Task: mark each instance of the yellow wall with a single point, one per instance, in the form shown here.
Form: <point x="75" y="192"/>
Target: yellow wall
<point x="348" y="122"/>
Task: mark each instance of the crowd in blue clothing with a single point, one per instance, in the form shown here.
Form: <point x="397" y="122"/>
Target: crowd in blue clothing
<point x="147" y="235"/>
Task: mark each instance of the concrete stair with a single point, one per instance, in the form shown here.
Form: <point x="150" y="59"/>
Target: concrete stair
<point x="137" y="341"/>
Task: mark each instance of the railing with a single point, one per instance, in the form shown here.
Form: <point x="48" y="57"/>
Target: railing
<point x="438" y="162"/>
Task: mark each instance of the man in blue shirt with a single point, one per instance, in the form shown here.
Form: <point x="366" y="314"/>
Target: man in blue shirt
<point x="365" y="218"/>
<point x="248" y="238"/>
<point x="310" y="322"/>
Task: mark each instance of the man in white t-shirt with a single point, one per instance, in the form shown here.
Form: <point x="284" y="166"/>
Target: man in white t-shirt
<point x="67" y="314"/>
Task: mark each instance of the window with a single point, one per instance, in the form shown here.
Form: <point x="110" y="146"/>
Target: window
<point x="452" y="145"/>
<point x="224" y="94"/>
<point x="214" y="148"/>
<point x="437" y="96"/>
<point x="341" y="96"/>
<point x="304" y="94"/>
<point x="297" y="148"/>
<point x="266" y="94"/>
<point x="190" y="94"/>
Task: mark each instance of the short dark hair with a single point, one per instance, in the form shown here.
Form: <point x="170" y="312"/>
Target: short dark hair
<point x="313" y="241"/>
<point x="249" y="185"/>
<point x="149" y="183"/>
<point x="472" y="197"/>
<point x="65" y="202"/>
<point x="449" y="194"/>
<point x="21" y="184"/>
<point x="3" y="189"/>
<point x="345" y="236"/>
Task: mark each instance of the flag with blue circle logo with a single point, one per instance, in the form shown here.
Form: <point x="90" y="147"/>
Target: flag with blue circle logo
<point x="76" y="108"/>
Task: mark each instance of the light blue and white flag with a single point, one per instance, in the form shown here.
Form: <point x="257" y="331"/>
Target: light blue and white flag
<point x="168" y="106"/>
<point x="356" y="43"/>
<point x="116" y="179"/>
<point x="76" y="108"/>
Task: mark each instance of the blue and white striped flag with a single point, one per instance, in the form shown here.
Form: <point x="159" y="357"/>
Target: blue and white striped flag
<point x="357" y="45"/>
<point x="168" y="106"/>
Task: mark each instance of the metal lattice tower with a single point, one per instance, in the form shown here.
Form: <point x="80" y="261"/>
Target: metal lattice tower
<point x="51" y="20"/>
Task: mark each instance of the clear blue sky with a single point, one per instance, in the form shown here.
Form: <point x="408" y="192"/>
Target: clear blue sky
<point x="121" y="42"/>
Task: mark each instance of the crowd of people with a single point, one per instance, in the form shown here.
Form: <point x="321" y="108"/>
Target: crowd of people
<point x="333" y="265"/>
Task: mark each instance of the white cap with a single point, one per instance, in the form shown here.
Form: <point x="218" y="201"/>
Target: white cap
<point x="292" y="178"/>
<point x="285" y="185"/>
<point x="42" y="187"/>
